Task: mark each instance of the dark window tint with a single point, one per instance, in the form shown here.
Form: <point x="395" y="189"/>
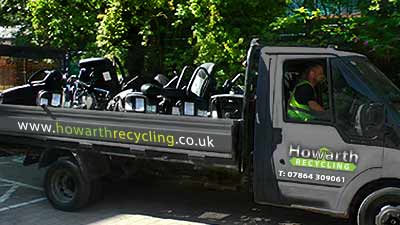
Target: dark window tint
<point x="347" y="101"/>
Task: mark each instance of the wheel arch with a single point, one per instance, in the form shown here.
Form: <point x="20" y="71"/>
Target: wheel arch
<point x="50" y="156"/>
<point x="368" y="189"/>
<point x="92" y="164"/>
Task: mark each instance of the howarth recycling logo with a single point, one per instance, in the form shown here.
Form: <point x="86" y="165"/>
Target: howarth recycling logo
<point x="323" y="158"/>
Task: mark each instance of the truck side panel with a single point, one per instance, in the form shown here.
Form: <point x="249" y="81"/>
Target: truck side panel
<point x="201" y="137"/>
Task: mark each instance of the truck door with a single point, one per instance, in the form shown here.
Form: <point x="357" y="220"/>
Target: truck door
<point x="265" y="186"/>
<point x="317" y="158"/>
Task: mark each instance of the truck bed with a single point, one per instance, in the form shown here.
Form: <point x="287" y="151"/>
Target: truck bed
<point x="162" y="137"/>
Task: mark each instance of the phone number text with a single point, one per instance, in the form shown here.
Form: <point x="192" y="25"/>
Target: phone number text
<point x="311" y="176"/>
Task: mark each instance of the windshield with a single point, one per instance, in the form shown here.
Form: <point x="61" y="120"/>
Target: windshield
<point x="374" y="78"/>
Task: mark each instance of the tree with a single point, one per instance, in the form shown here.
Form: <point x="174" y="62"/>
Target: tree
<point x="369" y="27"/>
<point x="129" y="28"/>
<point x="156" y="35"/>
<point x="65" y="24"/>
<point x="221" y="30"/>
<point x="14" y="13"/>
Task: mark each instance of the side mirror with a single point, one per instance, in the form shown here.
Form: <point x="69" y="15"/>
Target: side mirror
<point x="371" y="119"/>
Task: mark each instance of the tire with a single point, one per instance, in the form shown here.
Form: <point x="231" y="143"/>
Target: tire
<point x="65" y="186"/>
<point x="382" y="207"/>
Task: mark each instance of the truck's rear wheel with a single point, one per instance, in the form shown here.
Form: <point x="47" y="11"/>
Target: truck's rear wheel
<point x="380" y="208"/>
<point x="65" y="187"/>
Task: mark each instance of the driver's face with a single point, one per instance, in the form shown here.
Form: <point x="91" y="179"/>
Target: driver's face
<point x="319" y="74"/>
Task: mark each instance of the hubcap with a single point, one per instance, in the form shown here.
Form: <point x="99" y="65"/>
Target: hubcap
<point x="389" y="215"/>
<point x="63" y="186"/>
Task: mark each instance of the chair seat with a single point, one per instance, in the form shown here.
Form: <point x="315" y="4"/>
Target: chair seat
<point x="154" y="90"/>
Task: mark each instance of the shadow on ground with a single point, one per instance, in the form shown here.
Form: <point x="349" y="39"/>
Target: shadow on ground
<point x="195" y="203"/>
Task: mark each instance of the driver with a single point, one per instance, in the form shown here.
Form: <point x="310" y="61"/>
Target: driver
<point x="303" y="102"/>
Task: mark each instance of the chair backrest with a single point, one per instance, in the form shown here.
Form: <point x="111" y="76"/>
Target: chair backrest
<point x="180" y="81"/>
<point x="54" y="80"/>
<point x="99" y="73"/>
<point x="172" y="82"/>
<point x="161" y="79"/>
<point x="134" y="83"/>
<point x="202" y="80"/>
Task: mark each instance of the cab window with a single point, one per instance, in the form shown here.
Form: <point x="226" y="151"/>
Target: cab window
<point x="306" y="93"/>
<point x="348" y="103"/>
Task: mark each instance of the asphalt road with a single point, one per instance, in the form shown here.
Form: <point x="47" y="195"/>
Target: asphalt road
<point x="22" y="202"/>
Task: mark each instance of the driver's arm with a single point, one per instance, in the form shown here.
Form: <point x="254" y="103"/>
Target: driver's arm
<point x="315" y="106"/>
<point x="304" y="94"/>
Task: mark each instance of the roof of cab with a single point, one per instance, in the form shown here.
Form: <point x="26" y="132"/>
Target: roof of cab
<point x="307" y="50"/>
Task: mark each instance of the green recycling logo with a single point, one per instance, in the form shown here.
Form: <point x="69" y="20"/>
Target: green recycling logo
<point x="323" y="158"/>
<point x="324" y="151"/>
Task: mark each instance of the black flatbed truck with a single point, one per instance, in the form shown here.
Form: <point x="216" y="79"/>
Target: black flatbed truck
<point x="345" y="165"/>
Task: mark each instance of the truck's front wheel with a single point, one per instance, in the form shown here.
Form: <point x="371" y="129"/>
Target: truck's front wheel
<point x="380" y="208"/>
<point x="65" y="187"/>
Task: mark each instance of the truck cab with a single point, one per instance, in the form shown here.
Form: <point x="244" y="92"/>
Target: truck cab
<point x="338" y="161"/>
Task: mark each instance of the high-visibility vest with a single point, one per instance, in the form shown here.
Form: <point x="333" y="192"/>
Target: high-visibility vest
<point x="296" y="110"/>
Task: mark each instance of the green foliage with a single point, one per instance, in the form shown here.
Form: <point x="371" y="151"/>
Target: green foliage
<point x="154" y="36"/>
<point x="13" y="12"/>
<point x="212" y="31"/>
<point x="122" y="17"/>
<point x="221" y="30"/>
<point x="129" y="27"/>
<point x="65" y="24"/>
<point x="375" y="24"/>
<point x="369" y="27"/>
